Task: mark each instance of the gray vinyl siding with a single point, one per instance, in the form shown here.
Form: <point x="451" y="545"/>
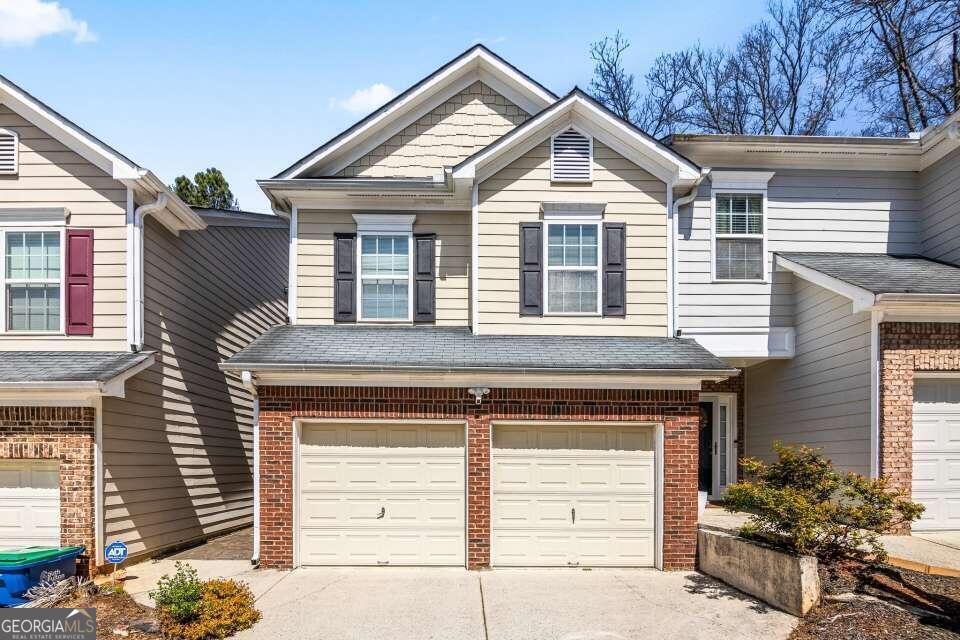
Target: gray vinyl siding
<point x="807" y="210"/>
<point x="178" y="447"/>
<point x="821" y="397"/>
<point x="940" y="227"/>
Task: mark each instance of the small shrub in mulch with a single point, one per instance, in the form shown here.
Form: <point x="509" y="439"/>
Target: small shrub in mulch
<point x="193" y="610"/>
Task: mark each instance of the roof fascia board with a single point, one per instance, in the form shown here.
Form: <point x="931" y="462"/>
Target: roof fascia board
<point x="494" y="378"/>
<point x="861" y="298"/>
<point x="941" y="141"/>
<point x="803" y="155"/>
<point x="411" y="104"/>
<point x="70" y="135"/>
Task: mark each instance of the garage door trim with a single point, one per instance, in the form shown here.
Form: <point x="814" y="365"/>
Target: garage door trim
<point x="295" y="461"/>
<point x="657" y="457"/>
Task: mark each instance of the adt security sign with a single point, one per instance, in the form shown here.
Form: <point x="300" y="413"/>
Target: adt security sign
<point x="115" y="553"/>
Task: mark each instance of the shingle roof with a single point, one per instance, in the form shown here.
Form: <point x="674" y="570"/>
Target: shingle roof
<point x="883" y="273"/>
<point x="66" y="366"/>
<point x="452" y="348"/>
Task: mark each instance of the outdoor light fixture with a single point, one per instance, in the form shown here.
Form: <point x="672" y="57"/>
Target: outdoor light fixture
<point x="479" y="392"/>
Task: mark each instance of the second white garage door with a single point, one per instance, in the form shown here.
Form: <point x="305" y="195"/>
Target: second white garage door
<point x="936" y="453"/>
<point x="29" y="503"/>
<point x="577" y="495"/>
<point x="381" y="494"/>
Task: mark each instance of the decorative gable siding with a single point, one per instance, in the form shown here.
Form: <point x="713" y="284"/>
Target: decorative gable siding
<point x="177" y="449"/>
<point x="456" y="129"/>
<point x="821" y="397"/>
<point x="632" y="195"/>
<point x="940" y="226"/>
<point x="838" y="211"/>
<point x="51" y="175"/>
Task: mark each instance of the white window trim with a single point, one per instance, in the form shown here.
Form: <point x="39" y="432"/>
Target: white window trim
<point x="578" y="218"/>
<point x="16" y="152"/>
<point x="718" y="188"/>
<point x="360" y="277"/>
<point x="3" y="281"/>
<point x="589" y="138"/>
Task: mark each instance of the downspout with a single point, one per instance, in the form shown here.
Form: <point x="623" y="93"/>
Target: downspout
<point x="251" y="386"/>
<point x="136" y="263"/>
<point x="672" y="224"/>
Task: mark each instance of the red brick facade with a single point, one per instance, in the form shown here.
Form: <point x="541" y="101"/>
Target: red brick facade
<point x="732" y="385"/>
<point x="907" y="347"/>
<point x="65" y="434"/>
<point x="676" y="410"/>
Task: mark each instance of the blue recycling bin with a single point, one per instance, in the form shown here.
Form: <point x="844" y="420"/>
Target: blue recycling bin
<point x="21" y="567"/>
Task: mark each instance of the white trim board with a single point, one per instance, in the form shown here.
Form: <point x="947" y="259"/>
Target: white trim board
<point x="774" y="342"/>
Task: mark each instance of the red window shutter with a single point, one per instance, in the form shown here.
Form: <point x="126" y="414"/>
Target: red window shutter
<point x="79" y="282"/>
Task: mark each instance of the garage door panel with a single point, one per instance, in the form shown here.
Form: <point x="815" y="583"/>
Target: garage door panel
<point x="29" y="502"/>
<point x="540" y="472"/>
<point x="936" y="453"/>
<point x="349" y="547"/>
<point x="605" y="548"/>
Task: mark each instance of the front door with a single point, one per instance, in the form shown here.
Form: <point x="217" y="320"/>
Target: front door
<point x="718" y="450"/>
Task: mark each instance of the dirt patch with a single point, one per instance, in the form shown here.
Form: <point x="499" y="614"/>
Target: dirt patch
<point x="118" y="612"/>
<point x="897" y="604"/>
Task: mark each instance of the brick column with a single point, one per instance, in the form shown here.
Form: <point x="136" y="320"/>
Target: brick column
<point x="478" y="488"/>
<point x="680" y="454"/>
<point x="276" y="486"/>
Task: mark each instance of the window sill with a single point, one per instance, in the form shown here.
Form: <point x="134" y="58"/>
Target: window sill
<point x="34" y="333"/>
<point x="377" y="321"/>
<point x="572" y="315"/>
<point x="719" y="281"/>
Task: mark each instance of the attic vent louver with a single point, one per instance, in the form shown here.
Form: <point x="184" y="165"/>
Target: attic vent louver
<point x="8" y="152"/>
<point x="571" y="159"/>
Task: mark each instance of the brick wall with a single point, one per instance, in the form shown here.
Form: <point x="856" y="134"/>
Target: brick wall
<point x="65" y="434"/>
<point x="677" y="410"/>
<point x="907" y="347"/>
<point x="733" y="385"/>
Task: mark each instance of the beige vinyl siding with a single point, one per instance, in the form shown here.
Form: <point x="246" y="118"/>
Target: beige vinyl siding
<point x="835" y="211"/>
<point x="821" y="397"/>
<point x="513" y="195"/>
<point x="940" y="226"/>
<point x="458" y="128"/>
<point x="177" y="449"/>
<point x="51" y="175"/>
<point x="315" y="263"/>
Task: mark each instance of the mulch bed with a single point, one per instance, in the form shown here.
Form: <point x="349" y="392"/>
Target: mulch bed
<point x="118" y="616"/>
<point x="925" y="607"/>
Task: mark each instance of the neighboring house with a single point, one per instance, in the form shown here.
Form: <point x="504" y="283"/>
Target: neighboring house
<point x="826" y="268"/>
<point x="118" y="303"/>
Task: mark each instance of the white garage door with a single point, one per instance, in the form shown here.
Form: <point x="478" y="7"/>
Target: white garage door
<point x="381" y="494"/>
<point x="936" y="452"/>
<point x="29" y="503"/>
<point x="578" y="495"/>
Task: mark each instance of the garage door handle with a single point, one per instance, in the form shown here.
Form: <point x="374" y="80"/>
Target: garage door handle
<point x="573" y="516"/>
<point x="383" y="512"/>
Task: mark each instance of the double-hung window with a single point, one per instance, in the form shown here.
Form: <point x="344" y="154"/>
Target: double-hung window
<point x="385" y="268"/>
<point x="32" y="280"/>
<point x="572" y="285"/>
<point x="738" y="230"/>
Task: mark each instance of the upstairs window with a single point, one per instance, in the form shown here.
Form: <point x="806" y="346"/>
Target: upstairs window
<point x="32" y="280"/>
<point x="573" y="268"/>
<point x="738" y="230"/>
<point x="385" y="276"/>
<point x="571" y="157"/>
<point x="8" y="152"/>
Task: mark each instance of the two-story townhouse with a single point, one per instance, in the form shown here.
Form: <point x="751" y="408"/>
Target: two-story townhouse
<point x="480" y="367"/>
<point x="826" y="268"/>
<point x="118" y="301"/>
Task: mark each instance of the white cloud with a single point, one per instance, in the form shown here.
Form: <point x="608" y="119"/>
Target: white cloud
<point x="363" y="100"/>
<point x="22" y="22"/>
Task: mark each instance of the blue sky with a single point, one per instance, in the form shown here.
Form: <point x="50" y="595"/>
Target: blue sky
<point x="250" y="87"/>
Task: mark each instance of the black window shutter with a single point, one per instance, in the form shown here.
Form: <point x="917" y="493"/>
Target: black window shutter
<point x="531" y="269"/>
<point x="614" y="269"/>
<point x="424" y="277"/>
<point x="345" y="277"/>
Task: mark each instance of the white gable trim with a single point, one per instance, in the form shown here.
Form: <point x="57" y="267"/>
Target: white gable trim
<point x="861" y="298"/>
<point x="475" y="64"/>
<point x="580" y="113"/>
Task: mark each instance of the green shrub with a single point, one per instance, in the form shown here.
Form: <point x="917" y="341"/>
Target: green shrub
<point x="178" y="596"/>
<point x="225" y="608"/>
<point x="801" y="503"/>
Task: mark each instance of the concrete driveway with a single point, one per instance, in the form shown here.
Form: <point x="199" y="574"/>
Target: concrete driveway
<point x="528" y="604"/>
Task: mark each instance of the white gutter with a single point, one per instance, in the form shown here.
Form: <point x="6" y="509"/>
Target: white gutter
<point x="251" y="386"/>
<point x="672" y="263"/>
<point x="135" y="264"/>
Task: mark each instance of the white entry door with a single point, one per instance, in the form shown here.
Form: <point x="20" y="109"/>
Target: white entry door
<point x="29" y="503"/>
<point x="936" y="453"/>
<point x="573" y="495"/>
<point x="381" y="494"/>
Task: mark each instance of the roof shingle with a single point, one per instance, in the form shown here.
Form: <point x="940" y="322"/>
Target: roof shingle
<point x="66" y="366"/>
<point x="883" y="273"/>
